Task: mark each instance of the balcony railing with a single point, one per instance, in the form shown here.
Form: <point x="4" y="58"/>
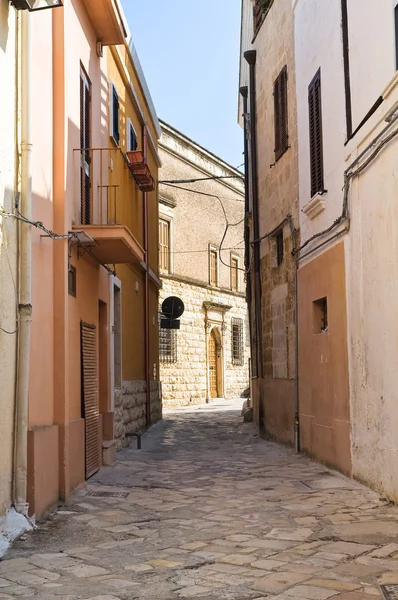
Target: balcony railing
<point x="108" y="182"/>
<point x="109" y="205"/>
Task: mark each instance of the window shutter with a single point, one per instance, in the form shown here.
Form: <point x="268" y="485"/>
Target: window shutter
<point x="115" y="115"/>
<point x="85" y="141"/>
<point x="281" y="114"/>
<point x="315" y="129"/>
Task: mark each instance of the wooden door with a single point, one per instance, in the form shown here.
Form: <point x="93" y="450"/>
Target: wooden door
<point x="90" y="397"/>
<point x="213" y="365"/>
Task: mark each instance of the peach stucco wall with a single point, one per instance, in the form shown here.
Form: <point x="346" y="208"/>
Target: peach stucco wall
<point x="323" y="361"/>
<point x="57" y="430"/>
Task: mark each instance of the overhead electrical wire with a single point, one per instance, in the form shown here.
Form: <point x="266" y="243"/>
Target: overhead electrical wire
<point x="215" y="178"/>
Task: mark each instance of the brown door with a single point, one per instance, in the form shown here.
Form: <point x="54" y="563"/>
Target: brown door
<point x="213" y="365"/>
<point x="90" y="397"/>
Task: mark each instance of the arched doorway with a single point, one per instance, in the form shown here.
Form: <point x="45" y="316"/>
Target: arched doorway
<point x="215" y="375"/>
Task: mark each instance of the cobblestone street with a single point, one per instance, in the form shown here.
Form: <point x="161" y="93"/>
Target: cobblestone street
<point x="208" y="509"/>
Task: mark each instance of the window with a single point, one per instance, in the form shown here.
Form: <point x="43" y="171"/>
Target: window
<point x="316" y="143"/>
<point x="213" y="267"/>
<point x="320" y="315"/>
<point x="260" y="9"/>
<point x="115" y="109"/>
<point x="164" y="246"/>
<point x="279" y="248"/>
<point x="234" y="274"/>
<point x="237" y="342"/>
<point x="280" y="114"/>
<point x="167" y="345"/>
<point x="85" y="143"/>
<point x="131" y="137"/>
<point x="72" y="281"/>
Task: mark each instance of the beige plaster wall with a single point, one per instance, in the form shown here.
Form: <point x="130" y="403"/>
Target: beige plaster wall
<point x="278" y="198"/>
<point x="197" y="220"/>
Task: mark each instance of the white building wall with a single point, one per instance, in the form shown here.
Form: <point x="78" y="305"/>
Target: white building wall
<point x="371" y="255"/>
<point x="318" y="45"/>
<point x="8" y="248"/>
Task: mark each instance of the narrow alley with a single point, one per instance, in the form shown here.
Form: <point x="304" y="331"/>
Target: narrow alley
<point x="208" y="509"/>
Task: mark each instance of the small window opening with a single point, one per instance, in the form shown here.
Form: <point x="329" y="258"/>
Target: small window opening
<point x="72" y="281"/>
<point x="279" y="248"/>
<point x="320" y="315"/>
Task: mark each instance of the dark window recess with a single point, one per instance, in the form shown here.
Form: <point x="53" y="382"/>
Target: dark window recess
<point x="85" y="142"/>
<point x="115" y="116"/>
<point x="316" y="142"/>
<point x="133" y="142"/>
<point x="72" y="281"/>
<point x="237" y="342"/>
<point x="168" y="351"/>
<point x="280" y="114"/>
<point x="279" y="248"/>
<point x="396" y="37"/>
<point x="320" y="315"/>
<point x="260" y="9"/>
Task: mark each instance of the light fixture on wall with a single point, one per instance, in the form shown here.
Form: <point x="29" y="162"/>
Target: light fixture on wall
<point x="35" y="5"/>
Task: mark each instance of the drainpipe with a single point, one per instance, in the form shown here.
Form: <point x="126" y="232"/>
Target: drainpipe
<point x="25" y="282"/>
<point x="147" y="316"/>
<point x="250" y="57"/>
<point x="244" y="93"/>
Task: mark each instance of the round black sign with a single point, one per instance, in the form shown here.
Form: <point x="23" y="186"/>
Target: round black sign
<point x="173" y="307"/>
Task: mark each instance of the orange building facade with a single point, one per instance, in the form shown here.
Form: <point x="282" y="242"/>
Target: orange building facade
<point x="93" y="352"/>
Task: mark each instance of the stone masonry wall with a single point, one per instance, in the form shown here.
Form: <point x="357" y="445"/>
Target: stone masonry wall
<point x="185" y="382"/>
<point x="130" y="409"/>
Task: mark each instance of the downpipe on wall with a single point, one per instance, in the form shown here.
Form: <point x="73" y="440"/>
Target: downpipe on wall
<point x="25" y="278"/>
<point x="250" y="57"/>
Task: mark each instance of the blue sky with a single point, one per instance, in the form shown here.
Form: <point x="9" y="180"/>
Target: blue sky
<point x="189" y="51"/>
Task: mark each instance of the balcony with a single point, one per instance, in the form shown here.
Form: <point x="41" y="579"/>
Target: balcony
<point x="108" y="201"/>
<point x="107" y="21"/>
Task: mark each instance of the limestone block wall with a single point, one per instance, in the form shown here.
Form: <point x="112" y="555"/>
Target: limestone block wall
<point x="130" y="409"/>
<point x="185" y="381"/>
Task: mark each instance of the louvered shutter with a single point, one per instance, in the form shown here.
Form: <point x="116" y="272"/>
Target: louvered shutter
<point x="90" y="397"/>
<point x="316" y="141"/>
<point x="280" y="114"/>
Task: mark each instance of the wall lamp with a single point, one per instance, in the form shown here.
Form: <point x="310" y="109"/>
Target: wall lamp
<point x="34" y="5"/>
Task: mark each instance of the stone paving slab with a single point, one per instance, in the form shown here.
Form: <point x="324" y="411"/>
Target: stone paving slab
<point x="209" y="510"/>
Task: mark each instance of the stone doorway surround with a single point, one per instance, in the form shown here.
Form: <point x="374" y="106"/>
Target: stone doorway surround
<point x="215" y="320"/>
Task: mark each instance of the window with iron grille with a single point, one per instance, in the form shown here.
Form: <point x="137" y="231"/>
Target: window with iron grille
<point x="167" y="345"/>
<point x="115" y="109"/>
<point x="260" y="9"/>
<point x="237" y="342"/>
<point x="316" y="141"/>
<point x="85" y="143"/>
<point x="164" y="246"/>
<point x="280" y="114"/>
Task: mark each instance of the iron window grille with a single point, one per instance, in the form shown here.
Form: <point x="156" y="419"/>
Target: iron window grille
<point x="237" y="342"/>
<point x="168" y="350"/>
